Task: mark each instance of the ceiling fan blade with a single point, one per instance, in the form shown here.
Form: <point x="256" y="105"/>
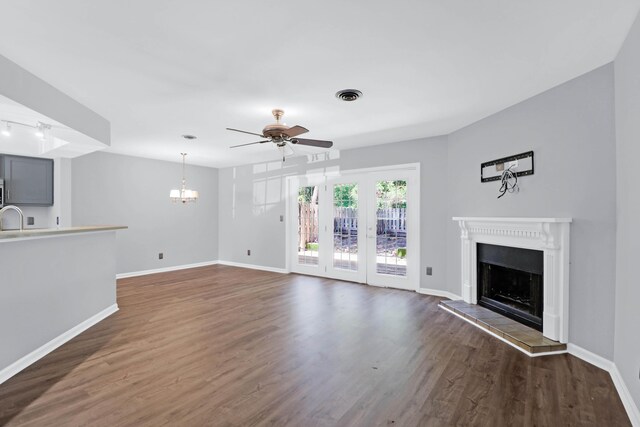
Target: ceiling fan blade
<point x="244" y="131"/>
<point x="295" y="131"/>
<point x="312" y="142"/>
<point x="250" y="143"/>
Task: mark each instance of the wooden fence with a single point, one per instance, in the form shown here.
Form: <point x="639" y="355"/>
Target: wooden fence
<point x="345" y="222"/>
<point x="394" y="220"/>
<point x="307" y="223"/>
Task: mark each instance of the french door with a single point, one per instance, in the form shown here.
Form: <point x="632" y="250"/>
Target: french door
<point x="393" y="234"/>
<point x="361" y="226"/>
<point x="345" y="253"/>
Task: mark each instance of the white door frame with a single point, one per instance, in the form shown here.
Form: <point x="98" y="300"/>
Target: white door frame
<point x="316" y="178"/>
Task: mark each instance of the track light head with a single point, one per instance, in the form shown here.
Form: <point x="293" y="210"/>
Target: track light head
<point x="40" y="130"/>
<point x="6" y="129"/>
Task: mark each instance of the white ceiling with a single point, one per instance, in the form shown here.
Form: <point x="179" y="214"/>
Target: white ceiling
<point x="158" y="69"/>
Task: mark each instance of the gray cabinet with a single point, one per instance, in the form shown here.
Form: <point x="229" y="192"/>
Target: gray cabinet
<point x="27" y="180"/>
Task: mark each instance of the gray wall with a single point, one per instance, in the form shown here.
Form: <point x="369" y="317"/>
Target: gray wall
<point x="570" y="128"/>
<point x="627" y="337"/>
<point x="122" y="190"/>
<point x="252" y="198"/>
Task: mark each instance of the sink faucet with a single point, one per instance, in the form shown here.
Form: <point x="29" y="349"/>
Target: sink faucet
<point x="12" y="208"/>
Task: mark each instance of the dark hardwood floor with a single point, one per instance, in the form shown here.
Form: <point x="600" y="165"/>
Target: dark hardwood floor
<point x="226" y="346"/>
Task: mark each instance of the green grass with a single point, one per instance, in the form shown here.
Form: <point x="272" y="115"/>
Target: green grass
<point x="312" y="246"/>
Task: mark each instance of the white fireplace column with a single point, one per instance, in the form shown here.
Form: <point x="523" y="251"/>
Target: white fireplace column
<point x="549" y="235"/>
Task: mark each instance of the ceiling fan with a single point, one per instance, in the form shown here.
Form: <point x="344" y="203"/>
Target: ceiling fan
<point x="282" y="135"/>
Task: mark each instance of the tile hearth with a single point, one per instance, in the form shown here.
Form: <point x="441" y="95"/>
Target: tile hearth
<point x="516" y="333"/>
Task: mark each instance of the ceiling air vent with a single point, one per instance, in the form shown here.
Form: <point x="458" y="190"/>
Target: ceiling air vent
<point x="348" y="94"/>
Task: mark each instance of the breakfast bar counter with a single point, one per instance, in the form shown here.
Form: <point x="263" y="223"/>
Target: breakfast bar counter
<point x="47" y="232"/>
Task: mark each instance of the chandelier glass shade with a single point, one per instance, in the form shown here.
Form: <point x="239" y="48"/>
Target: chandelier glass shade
<point x="183" y="195"/>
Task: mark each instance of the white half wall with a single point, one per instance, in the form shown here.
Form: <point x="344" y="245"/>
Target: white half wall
<point x="49" y="286"/>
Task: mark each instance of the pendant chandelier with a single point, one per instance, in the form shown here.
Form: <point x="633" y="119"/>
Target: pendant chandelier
<point x="183" y="195"/>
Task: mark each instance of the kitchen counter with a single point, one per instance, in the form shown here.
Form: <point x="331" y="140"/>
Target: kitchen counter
<point x="46" y="232"/>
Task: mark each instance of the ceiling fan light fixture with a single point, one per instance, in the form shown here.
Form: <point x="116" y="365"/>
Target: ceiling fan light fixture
<point x="348" y="95"/>
<point x="282" y="135"/>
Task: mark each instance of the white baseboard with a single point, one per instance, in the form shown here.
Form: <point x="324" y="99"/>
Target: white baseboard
<point x="590" y="357"/>
<point x="438" y="293"/>
<point x="47" y="348"/>
<point x="609" y="366"/>
<point x="254" y="267"/>
<point x="164" y="269"/>
<point x="632" y="410"/>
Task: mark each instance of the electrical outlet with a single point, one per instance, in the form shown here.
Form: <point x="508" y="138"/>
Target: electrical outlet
<point x="31" y="220"/>
<point x="248" y="252"/>
<point x="160" y="255"/>
<point x="429" y="271"/>
<point x="281" y="218"/>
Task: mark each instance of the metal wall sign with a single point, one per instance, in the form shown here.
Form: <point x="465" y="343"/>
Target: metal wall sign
<point x="520" y="164"/>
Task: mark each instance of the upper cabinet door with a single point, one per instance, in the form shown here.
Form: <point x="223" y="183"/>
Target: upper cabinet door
<point x="28" y="181"/>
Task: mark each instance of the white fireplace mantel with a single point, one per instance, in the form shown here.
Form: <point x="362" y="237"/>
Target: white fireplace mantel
<point x="550" y="235"/>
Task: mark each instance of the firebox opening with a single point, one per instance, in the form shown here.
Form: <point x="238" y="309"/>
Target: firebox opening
<point x="510" y="282"/>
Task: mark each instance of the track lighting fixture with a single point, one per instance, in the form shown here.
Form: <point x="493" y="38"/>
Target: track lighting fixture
<point x="42" y="130"/>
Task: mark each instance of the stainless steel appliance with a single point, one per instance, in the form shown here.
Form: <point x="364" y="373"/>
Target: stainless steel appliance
<point x="1" y="192"/>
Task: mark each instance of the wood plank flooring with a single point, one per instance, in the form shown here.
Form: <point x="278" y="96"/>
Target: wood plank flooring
<point x="225" y="346"/>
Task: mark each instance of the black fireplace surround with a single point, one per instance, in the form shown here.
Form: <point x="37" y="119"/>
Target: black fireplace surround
<point x="510" y="282"/>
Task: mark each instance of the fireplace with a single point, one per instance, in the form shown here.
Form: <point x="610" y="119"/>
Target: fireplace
<point x="549" y="236"/>
<point x="510" y="282"/>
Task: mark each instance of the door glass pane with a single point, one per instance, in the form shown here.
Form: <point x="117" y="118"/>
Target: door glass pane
<point x="345" y="226"/>
<point x="308" y="225"/>
<point x="391" y="229"/>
